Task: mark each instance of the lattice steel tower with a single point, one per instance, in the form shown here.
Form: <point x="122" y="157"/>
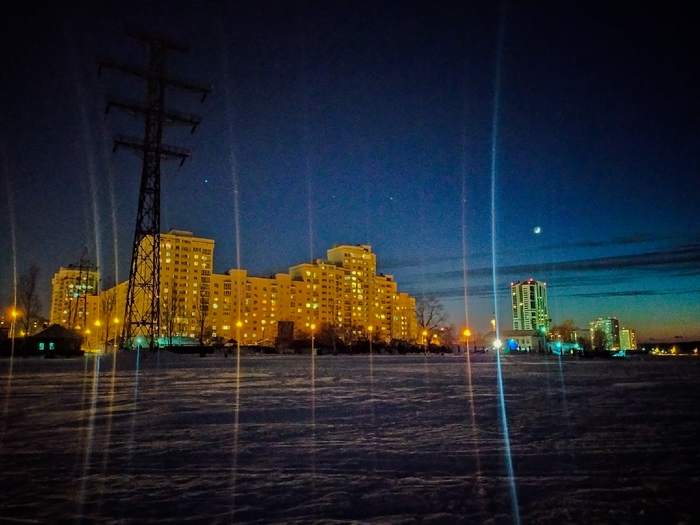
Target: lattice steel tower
<point x="142" y="313"/>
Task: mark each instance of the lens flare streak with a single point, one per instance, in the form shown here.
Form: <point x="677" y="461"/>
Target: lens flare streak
<point x="494" y="169"/>
<point x="88" y="446"/>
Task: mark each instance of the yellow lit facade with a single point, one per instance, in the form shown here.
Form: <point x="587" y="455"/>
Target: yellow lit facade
<point x="74" y="297"/>
<point x="185" y="277"/>
<point x="344" y="291"/>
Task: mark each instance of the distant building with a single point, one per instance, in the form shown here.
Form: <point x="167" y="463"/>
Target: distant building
<point x="628" y="339"/>
<point x="56" y="340"/>
<point x="529" y="302"/>
<point x="517" y="340"/>
<point x="610" y="327"/>
<point x="522" y="341"/>
<point x="74" y="297"/>
<point x="581" y="333"/>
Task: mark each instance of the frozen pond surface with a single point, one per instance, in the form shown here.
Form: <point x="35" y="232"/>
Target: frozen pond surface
<point x="405" y="440"/>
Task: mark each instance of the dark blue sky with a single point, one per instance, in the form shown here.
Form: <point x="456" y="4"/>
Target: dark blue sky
<point x="383" y="109"/>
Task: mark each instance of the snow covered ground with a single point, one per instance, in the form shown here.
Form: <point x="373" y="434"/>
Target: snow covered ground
<point x="399" y="439"/>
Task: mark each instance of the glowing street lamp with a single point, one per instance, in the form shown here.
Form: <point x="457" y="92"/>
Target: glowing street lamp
<point x="313" y="330"/>
<point x="370" y="329"/>
<point x="239" y="325"/>
<point x="467" y="333"/>
<point x="497" y="344"/>
<point x="14" y="313"/>
<point x="115" y="322"/>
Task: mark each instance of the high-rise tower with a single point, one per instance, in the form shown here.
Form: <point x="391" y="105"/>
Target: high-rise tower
<point x="529" y="301"/>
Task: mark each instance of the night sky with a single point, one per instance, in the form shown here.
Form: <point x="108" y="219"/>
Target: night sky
<point x="382" y="110"/>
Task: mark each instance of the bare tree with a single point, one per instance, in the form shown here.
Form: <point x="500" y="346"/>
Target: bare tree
<point x="565" y="330"/>
<point x="108" y="302"/>
<point x="329" y="336"/>
<point x="350" y="334"/>
<point x="430" y="313"/>
<point x="448" y="336"/>
<point x="202" y="312"/>
<point x="584" y="343"/>
<point x="169" y="312"/>
<point x="599" y="341"/>
<point x="27" y="297"/>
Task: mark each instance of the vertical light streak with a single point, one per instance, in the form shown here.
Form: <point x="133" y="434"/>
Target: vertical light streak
<point x="88" y="151"/>
<point x="13" y="323"/>
<point x="87" y="455"/>
<point x="235" y="185"/>
<point x="494" y="170"/>
<point x="468" y="362"/>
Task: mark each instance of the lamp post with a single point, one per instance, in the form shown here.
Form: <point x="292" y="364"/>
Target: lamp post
<point x="115" y="322"/>
<point x="467" y="334"/>
<point x="370" y="329"/>
<point x="13" y="327"/>
<point x="543" y="335"/>
<point x="239" y="324"/>
<point x="98" y="325"/>
<point x="425" y="342"/>
<point x="313" y="331"/>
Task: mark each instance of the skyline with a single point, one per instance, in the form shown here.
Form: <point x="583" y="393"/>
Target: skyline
<point x="483" y="291"/>
<point x="386" y="121"/>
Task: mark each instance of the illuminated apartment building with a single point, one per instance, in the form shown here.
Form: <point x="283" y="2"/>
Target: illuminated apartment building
<point x="185" y="279"/>
<point x="529" y="303"/>
<point x="628" y="339"/>
<point x="185" y="275"/>
<point x="610" y="329"/>
<point x="344" y="291"/>
<point x="404" y="323"/>
<point x="74" y="299"/>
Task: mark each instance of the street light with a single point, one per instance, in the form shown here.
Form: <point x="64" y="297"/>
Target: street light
<point x="313" y="348"/>
<point x="467" y="333"/>
<point x="543" y="334"/>
<point x="497" y="344"/>
<point x="115" y="322"/>
<point x="425" y="341"/>
<point x="239" y="324"/>
<point x="14" y="314"/>
<point x="370" y="329"/>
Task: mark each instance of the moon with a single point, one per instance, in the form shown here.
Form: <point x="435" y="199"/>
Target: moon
<point x="537" y="230"/>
